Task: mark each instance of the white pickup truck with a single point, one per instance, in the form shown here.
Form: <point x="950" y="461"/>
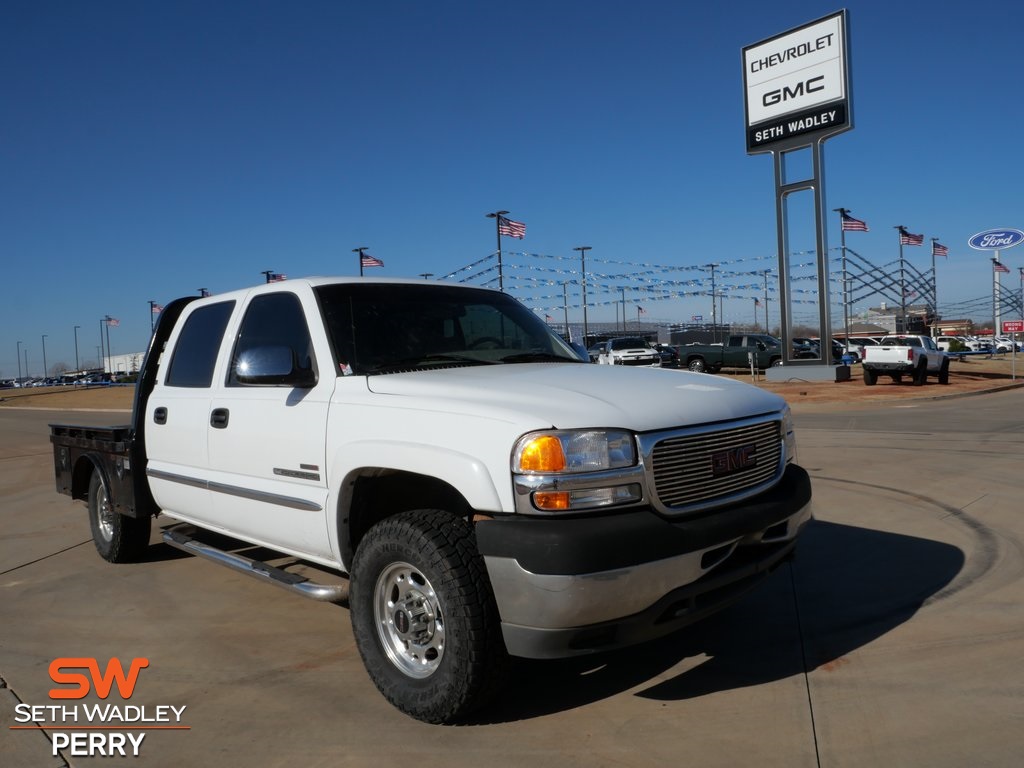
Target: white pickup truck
<point x="896" y="356"/>
<point x="469" y="486"/>
<point x="631" y="350"/>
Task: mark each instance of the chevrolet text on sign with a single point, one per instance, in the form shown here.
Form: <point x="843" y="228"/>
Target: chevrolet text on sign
<point x="796" y="84"/>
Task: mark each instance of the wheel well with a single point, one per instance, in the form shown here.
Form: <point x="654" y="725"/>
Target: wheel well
<point x="80" y="477"/>
<point x="376" y="494"/>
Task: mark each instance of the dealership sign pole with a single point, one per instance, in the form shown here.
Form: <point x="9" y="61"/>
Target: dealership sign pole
<point x="797" y="89"/>
<point x="996" y="240"/>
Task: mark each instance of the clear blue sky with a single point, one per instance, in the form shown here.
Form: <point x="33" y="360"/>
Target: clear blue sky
<point x="150" y="149"/>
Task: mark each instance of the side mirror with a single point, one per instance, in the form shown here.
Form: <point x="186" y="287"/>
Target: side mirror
<point x="271" y="366"/>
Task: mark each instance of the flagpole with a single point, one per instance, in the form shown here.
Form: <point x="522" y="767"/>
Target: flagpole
<point x="846" y="296"/>
<point x="110" y="354"/>
<point x="995" y="294"/>
<point x="935" y="293"/>
<point x="103" y="365"/>
<point x="360" y="252"/>
<point x="496" y="215"/>
<point x="903" y="286"/>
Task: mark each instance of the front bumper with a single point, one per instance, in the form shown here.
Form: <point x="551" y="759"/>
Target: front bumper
<point x="576" y="586"/>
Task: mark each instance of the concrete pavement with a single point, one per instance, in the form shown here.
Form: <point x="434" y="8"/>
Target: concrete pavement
<point x="895" y="638"/>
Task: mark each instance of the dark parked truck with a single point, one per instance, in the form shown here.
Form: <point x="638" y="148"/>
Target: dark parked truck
<point x="734" y="353"/>
<point x="466" y="484"/>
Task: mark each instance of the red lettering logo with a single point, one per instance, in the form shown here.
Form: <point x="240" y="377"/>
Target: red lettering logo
<point x="101" y="682"/>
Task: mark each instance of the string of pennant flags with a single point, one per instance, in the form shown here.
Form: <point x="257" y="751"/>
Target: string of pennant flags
<point x="617" y="282"/>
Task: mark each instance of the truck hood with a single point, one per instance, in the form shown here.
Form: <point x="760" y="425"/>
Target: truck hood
<point x="566" y="396"/>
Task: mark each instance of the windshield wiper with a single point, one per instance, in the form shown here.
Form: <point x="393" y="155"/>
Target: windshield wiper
<point x="538" y="357"/>
<point x="415" y="362"/>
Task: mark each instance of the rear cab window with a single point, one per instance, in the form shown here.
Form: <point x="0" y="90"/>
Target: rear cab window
<point x="195" y="352"/>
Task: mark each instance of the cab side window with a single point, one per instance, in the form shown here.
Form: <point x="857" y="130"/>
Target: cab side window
<point x="274" y="320"/>
<point x="195" y="353"/>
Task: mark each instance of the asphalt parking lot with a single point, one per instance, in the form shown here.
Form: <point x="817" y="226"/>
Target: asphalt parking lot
<point x="894" y="639"/>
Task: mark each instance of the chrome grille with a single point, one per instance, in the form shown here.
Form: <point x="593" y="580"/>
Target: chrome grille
<point x="698" y="468"/>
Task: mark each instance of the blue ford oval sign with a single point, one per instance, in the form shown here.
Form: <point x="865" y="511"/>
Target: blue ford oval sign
<point x="996" y="239"/>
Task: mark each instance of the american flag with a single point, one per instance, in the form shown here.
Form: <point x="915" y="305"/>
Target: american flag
<point x="938" y="249"/>
<point x="757" y="302"/>
<point x="366" y="260"/>
<point x="906" y="238"/>
<point x="510" y="228"/>
<point x="641" y="311"/>
<point x="851" y="224"/>
<point x="157" y="309"/>
<point x="998" y="266"/>
<point x="276" y="278"/>
<point x="113" y="321"/>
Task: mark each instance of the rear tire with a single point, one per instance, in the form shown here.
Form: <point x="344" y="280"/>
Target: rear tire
<point x="424" y="617"/>
<point x="921" y="373"/>
<point x="118" y="538"/>
<point x="870" y="377"/>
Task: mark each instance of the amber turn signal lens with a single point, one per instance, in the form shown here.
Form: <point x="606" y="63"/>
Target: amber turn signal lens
<point x="542" y="454"/>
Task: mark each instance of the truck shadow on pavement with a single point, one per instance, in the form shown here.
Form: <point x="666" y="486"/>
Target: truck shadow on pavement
<point x="847" y="587"/>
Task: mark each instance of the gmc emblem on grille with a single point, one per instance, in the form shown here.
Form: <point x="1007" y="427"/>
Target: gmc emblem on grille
<point x="733" y="460"/>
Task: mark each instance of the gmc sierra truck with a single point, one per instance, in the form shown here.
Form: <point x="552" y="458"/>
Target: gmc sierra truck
<point x="470" y="486"/>
<point x="896" y="356"/>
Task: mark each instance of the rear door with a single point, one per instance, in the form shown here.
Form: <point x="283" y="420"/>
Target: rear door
<point x="178" y="411"/>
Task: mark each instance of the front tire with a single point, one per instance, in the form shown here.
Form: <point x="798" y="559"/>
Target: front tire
<point x="697" y="365"/>
<point x="424" y="617"/>
<point x="944" y="372"/>
<point x="118" y="538"/>
<point x="870" y="377"/>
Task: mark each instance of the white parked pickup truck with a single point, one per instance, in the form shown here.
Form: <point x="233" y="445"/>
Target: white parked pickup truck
<point x="631" y="350"/>
<point x="896" y="356"/>
<point x="468" y="485"/>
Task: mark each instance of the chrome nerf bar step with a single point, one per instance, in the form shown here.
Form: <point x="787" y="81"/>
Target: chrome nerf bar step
<point x="293" y="582"/>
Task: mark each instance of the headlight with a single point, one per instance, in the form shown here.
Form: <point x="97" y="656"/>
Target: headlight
<point x="788" y="435"/>
<point x="573" y="451"/>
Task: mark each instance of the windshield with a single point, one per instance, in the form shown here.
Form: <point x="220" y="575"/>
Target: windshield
<point x="629" y="344"/>
<point x="386" y="328"/>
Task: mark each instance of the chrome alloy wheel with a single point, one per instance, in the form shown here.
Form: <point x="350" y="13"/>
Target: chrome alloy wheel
<point x="105" y="514"/>
<point x="410" y="623"/>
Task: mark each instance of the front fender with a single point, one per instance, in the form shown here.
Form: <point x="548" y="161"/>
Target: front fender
<point x="465" y="473"/>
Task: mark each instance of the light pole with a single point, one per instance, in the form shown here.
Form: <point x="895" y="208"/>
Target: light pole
<point x="565" y="307"/>
<point x="583" y="264"/>
<point x="77" y="367"/>
<point x="496" y="215"/>
<point x="426" y="275"/>
<point x="766" y="300"/>
<point x="44" y="355"/>
<point x="714" y="314"/>
<point x="19" y="362"/>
